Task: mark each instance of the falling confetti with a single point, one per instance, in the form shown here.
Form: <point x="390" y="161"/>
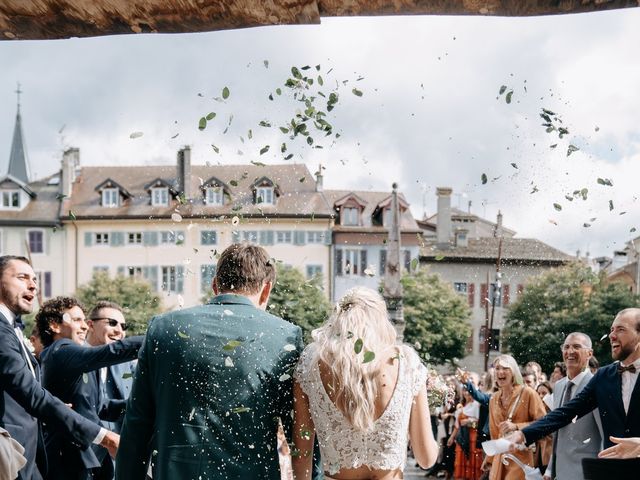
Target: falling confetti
<point x="289" y="348"/>
<point x="176" y="217"/>
<point x="228" y="362"/>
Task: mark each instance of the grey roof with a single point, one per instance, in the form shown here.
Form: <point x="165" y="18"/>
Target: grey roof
<point x="431" y="222"/>
<point x="372" y="201"/>
<point x="18" y="166"/>
<point x="297" y="187"/>
<point x="42" y="210"/>
<point x="514" y="250"/>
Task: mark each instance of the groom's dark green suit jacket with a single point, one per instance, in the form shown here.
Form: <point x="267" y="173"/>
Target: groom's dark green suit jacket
<point x="211" y="384"/>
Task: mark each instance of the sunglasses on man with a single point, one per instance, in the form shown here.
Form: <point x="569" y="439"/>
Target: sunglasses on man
<point x="112" y="322"/>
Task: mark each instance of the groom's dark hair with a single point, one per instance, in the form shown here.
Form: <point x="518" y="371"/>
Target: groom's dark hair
<point x="244" y="268"/>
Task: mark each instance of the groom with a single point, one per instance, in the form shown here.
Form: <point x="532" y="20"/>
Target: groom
<point x="213" y="382"/>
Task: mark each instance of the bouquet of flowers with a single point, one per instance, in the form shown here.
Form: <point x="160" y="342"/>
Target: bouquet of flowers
<point x="439" y="392"/>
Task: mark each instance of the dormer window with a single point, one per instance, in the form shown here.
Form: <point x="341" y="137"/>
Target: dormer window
<point x="214" y="196"/>
<point x="160" y="196"/>
<point x="265" y="195"/>
<point x="349" y="216"/>
<point x="387" y="219"/>
<point x="10" y="199"/>
<point x="110" y="197"/>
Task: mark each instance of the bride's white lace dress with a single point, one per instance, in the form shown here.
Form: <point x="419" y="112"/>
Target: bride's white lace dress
<point x="342" y="446"/>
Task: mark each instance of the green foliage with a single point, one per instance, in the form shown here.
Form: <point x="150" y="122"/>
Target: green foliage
<point x="437" y="319"/>
<point x="559" y="302"/>
<point x="298" y="300"/>
<point x="136" y="297"/>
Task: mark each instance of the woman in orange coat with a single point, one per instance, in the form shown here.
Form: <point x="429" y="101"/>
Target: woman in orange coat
<point x="468" y="459"/>
<point x="512" y="407"/>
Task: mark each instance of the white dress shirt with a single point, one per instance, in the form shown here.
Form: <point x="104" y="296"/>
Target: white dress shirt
<point x="628" y="383"/>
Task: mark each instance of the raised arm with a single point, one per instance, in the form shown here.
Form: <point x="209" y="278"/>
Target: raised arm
<point x="82" y="359"/>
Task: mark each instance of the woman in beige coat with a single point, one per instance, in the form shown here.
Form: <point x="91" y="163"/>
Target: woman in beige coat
<point x="512" y="407"/>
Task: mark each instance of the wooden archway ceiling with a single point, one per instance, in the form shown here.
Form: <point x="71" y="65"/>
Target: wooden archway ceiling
<point x="54" y="19"/>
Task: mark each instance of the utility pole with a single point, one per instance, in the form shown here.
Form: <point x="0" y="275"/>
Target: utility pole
<point x="392" y="290"/>
<point x="497" y="292"/>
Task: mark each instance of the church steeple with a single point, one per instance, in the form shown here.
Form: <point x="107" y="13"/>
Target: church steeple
<point x="18" y="164"/>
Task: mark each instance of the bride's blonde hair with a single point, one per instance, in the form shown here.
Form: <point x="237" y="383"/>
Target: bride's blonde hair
<point x="359" y="316"/>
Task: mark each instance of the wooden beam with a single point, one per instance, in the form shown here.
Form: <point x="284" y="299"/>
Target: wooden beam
<point x="54" y="19"/>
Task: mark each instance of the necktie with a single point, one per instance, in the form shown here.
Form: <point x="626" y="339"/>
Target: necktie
<point x="567" y="394"/>
<point x="629" y="368"/>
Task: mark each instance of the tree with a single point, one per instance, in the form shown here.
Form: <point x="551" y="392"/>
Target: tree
<point x="136" y="297"/>
<point x="299" y="301"/>
<point x="559" y="302"/>
<point x="437" y="319"/>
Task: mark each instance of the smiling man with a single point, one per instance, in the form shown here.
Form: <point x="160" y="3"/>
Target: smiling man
<point x="23" y="401"/>
<point x="71" y="371"/>
<point x="614" y="389"/>
<point x="107" y="324"/>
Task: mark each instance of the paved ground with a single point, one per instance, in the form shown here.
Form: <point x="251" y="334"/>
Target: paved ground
<point x="411" y="472"/>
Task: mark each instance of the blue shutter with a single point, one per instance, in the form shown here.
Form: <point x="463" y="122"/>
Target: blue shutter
<point x="235" y="236"/>
<point x="88" y="239"/>
<point x="327" y="237"/>
<point x="150" y="239"/>
<point x="207" y="272"/>
<point x="179" y="279"/>
<point x="299" y="237"/>
<point x="338" y="264"/>
<point x="363" y="261"/>
<point x="116" y="239"/>
<point x="120" y="270"/>
<point x="153" y="277"/>
<point x="266" y="237"/>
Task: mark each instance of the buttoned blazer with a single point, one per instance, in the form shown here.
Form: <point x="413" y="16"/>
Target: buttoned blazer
<point x="582" y="439"/>
<point x="604" y="392"/>
<point x="70" y="372"/>
<point x="24" y="401"/>
<point x="211" y="385"/>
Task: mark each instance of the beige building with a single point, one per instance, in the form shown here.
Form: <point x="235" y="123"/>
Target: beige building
<point x="463" y="249"/>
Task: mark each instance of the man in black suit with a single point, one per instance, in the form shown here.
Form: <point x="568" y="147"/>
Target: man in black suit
<point x="71" y="371"/>
<point x="614" y="390"/>
<point x="107" y="325"/>
<point x="23" y="401"/>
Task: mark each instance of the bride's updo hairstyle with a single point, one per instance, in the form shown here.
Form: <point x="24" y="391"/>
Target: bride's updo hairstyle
<point x="359" y="317"/>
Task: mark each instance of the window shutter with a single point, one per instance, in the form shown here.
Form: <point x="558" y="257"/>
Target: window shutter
<point x="153" y="277"/>
<point x="47" y="284"/>
<point x="121" y="270"/>
<point x="88" y="239"/>
<point x="266" y="237"/>
<point x="150" y="239"/>
<point x="46" y="239"/>
<point x="299" y="237"/>
<point x="363" y="261"/>
<point x="179" y="279"/>
<point x="505" y="295"/>
<point x="383" y="261"/>
<point x="327" y="237"/>
<point x="116" y="239"/>
<point x="472" y="293"/>
<point x="407" y="260"/>
<point x="484" y="293"/>
<point x="338" y="266"/>
<point x="235" y="236"/>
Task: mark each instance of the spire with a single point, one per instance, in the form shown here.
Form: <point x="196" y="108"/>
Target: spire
<point x="18" y="165"/>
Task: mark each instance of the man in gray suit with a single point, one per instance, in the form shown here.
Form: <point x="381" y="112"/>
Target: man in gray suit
<point x="582" y="439"/>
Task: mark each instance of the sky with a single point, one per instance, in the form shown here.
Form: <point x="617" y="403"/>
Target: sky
<point x="430" y="113"/>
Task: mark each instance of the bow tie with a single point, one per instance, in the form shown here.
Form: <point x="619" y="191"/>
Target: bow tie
<point x="17" y="323"/>
<point x="629" y="368"/>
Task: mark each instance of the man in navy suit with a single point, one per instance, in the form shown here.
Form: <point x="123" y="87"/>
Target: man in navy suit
<point x="71" y="371"/>
<point x="107" y="325"/>
<point x="23" y="401"/>
<point x="614" y="390"/>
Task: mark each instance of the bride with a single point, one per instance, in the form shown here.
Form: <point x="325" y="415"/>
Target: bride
<point x="363" y="395"/>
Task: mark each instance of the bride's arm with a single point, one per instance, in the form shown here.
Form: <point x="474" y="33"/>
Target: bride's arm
<point x="424" y="446"/>
<point x="303" y="435"/>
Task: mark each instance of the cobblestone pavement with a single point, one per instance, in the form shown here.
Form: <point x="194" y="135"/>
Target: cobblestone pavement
<point x="411" y="472"/>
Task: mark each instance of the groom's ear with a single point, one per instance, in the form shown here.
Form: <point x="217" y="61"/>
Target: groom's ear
<point x="264" y="294"/>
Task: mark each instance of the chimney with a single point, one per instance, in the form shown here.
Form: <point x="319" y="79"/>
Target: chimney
<point x="70" y="169"/>
<point x="319" y="178"/>
<point x="498" y="230"/>
<point x="184" y="172"/>
<point x="443" y="228"/>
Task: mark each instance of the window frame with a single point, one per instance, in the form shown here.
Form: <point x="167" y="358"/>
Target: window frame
<point x="208" y="233"/>
<point x="10" y="195"/>
<point x="112" y="192"/>
<point x="138" y="237"/>
<point x="346" y="214"/>
<point x="163" y="193"/>
<point x="104" y="236"/>
<point x="172" y="276"/>
<point x="354" y="270"/>
<point x="214" y="195"/>
<point x="268" y="198"/>
<point x="42" y="241"/>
